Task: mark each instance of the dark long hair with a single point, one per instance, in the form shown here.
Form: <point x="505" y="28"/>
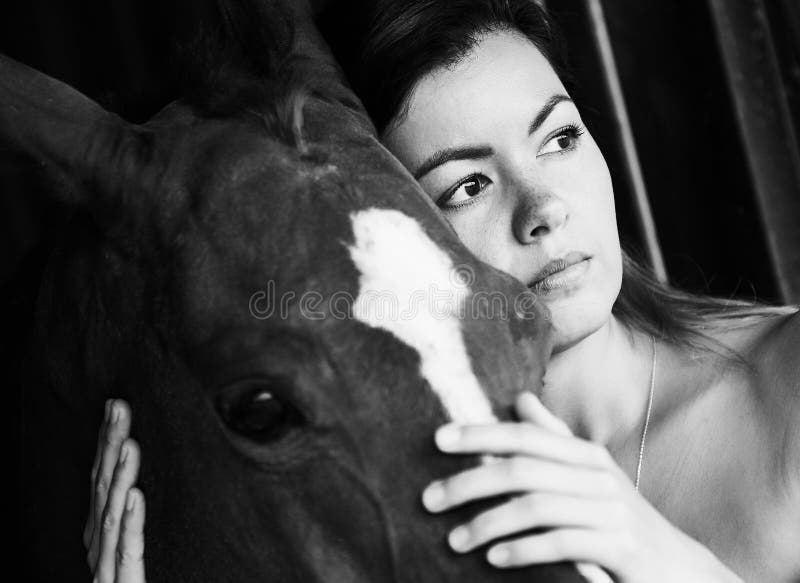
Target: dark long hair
<point x="403" y="40"/>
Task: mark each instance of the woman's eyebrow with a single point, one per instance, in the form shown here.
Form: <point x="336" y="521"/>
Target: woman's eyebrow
<point x="449" y="154"/>
<point x="479" y="152"/>
<point x="546" y="110"/>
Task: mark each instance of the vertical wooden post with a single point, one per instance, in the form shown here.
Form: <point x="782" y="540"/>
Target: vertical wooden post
<point x="765" y="126"/>
<point x="633" y="168"/>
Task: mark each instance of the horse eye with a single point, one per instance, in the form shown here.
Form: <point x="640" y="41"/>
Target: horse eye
<point x="255" y="412"/>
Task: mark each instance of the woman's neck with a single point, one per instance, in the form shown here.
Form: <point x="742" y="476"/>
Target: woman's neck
<point x="600" y="385"/>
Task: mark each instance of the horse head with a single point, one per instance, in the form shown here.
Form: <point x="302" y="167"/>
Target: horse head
<point x="286" y="312"/>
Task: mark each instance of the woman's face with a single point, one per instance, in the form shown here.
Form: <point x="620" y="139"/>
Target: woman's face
<point x="499" y="146"/>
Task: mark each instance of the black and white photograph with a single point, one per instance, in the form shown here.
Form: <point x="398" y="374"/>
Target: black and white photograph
<point x="401" y="291"/>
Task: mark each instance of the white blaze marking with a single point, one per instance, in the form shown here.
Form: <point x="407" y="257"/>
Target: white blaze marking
<point x="400" y="263"/>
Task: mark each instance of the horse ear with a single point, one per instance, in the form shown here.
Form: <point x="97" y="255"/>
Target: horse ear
<point x="67" y="133"/>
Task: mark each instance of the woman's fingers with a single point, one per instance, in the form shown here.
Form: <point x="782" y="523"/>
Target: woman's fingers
<point x="593" y="573"/>
<point x="530" y="408"/>
<point x="130" y="551"/>
<point x="88" y="530"/>
<point x="101" y="437"/>
<point x="124" y="478"/>
<point x="514" y="475"/>
<point x="113" y="432"/>
<point x="117" y="431"/>
<point x="563" y="544"/>
<point x="532" y="511"/>
<point x="521" y="439"/>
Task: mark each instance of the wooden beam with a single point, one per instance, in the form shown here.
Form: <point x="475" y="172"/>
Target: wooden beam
<point x="765" y="126"/>
<point x="633" y="169"/>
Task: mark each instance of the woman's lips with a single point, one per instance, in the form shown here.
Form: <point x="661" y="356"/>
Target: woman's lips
<point x="561" y="273"/>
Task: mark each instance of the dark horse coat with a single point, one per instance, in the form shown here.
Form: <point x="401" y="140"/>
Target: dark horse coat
<point x="257" y="276"/>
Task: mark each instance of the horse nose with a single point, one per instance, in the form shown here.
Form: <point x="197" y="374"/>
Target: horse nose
<point x="538" y="215"/>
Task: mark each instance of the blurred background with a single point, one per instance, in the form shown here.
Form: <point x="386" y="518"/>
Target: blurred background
<point x="695" y="103"/>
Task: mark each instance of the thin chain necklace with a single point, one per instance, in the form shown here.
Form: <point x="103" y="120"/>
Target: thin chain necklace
<point x="647" y="416"/>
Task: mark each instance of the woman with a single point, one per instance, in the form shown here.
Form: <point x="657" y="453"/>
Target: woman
<point x="666" y="442"/>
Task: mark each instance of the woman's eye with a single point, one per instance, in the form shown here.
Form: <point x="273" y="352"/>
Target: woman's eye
<point x="566" y="139"/>
<point x="466" y="189"/>
<point x="255" y="412"/>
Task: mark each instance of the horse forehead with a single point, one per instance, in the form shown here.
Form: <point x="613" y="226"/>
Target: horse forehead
<point x="410" y="287"/>
<point x="247" y="179"/>
<point x="232" y="154"/>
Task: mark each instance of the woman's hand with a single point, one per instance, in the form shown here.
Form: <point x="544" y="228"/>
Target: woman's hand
<point x="581" y="504"/>
<point x="114" y="533"/>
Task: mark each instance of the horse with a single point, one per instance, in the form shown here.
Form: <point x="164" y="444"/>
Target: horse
<point x="285" y="311"/>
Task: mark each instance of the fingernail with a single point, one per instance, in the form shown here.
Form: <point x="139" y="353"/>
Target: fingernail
<point x="107" y="413"/>
<point x="459" y="539"/>
<point x="130" y="502"/>
<point x="116" y="411"/>
<point x="447" y="437"/>
<point x="498" y="556"/>
<point x="123" y="456"/>
<point x="433" y="496"/>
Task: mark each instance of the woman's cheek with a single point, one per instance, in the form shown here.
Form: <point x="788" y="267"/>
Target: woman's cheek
<point x="593" y="181"/>
<point x="486" y="247"/>
<point x="596" y="174"/>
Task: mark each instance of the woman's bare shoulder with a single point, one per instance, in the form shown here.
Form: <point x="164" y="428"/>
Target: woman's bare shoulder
<point x="780" y="349"/>
<point x="776" y="361"/>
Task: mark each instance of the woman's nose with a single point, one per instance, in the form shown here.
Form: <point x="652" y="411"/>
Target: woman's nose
<point x="537" y="216"/>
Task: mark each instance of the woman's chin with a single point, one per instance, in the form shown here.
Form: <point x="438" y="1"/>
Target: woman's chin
<point x="572" y="322"/>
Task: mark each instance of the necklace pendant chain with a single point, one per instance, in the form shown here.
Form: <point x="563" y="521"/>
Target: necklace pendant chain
<point x="647" y="415"/>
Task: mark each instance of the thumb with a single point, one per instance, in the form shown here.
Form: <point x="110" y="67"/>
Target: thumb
<point x="593" y="573"/>
<point x="530" y="408"/>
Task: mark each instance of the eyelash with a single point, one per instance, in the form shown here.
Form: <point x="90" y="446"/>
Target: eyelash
<point x="575" y="131"/>
<point x="441" y="202"/>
